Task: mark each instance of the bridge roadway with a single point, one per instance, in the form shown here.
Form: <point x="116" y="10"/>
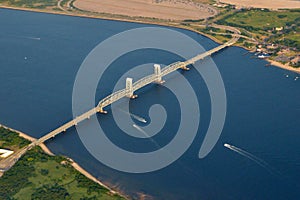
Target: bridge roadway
<point x="136" y="85"/>
<point x="7" y="163"/>
<point x="166" y="70"/>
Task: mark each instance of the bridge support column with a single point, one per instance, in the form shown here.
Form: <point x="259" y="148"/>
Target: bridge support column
<point x="100" y="110"/>
<point x="129" y="89"/>
<point x="184" y="67"/>
<point x="157" y="72"/>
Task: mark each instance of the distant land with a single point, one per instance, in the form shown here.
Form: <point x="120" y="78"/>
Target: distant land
<point x="162" y="9"/>
<point x="271" y="4"/>
<point x="267" y="27"/>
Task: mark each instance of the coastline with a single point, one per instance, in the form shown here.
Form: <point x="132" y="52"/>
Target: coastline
<point x="29" y="138"/>
<point x="160" y="23"/>
<point x="75" y="165"/>
<point x="91" y="177"/>
<point x="282" y="66"/>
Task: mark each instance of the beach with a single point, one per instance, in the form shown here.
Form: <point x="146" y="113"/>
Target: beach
<point x="29" y="138"/>
<point x="286" y="67"/>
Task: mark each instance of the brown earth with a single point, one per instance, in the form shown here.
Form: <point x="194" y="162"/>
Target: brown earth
<point x="162" y="9"/>
<point x="271" y="4"/>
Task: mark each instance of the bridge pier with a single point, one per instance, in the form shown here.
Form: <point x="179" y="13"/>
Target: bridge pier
<point x="100" y="110"/>
<point x="184" y="67"/>
<point x="157" y="72"/>
<point x="129" y="89"/>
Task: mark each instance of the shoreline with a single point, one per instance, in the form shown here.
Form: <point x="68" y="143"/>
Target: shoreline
<point x="64" y="13"/>
<point x="283" y="66"/>
<point x="140" y="21"/>
<point x="91" y="177"/>
<point x="29" y="138"/>
<point x="75" y="165"/>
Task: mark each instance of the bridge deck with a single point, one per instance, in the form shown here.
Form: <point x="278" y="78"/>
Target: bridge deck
<point x="7" y="163"/>
<point x="136" y="85"/>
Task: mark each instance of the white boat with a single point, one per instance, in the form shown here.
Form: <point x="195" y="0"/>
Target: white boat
<point x="264" y="55"/>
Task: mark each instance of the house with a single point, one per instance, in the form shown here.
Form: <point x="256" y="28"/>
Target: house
<point x="295" y="61"/>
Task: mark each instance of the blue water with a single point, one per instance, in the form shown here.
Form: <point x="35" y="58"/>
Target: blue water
<point x="40" y="55"/>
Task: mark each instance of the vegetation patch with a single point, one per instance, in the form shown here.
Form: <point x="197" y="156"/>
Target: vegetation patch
<point x="258" y="19"/>
<point x="30" y="3"/>
<point x="40" y="176"/>
<point x="11" y="140"/>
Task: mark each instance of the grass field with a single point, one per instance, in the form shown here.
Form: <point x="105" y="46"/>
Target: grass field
<point x="263" y="24"/>
<point x="29" y="3"/>
<point x="38" y="176"/>
<point x="11" y="140"/>
<point x="261" y="19"/>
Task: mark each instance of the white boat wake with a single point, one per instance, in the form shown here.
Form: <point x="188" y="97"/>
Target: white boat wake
<point x="147" y="135"/>
<point x="33" y="38"/>
<point x="252" y="157"/>
<point x="140" y="119"/>
<point x="24" y="37"/>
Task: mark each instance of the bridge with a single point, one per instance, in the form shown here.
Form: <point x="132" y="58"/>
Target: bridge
<point x="128" y="92"/>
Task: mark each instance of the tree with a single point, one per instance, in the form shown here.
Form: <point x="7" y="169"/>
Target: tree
<point x="50" y="192"/>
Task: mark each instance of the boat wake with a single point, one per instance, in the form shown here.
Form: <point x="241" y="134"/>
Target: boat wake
<point x="23" y="37"/>
<point x="32" y="38"/>
<point x="147" y="135"/>
<point x="140" y="119"/>
<point x="252" y="157"/>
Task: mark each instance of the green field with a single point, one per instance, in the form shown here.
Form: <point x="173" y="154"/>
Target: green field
<point x="39" y="176"/>
<point x="261" y="19"/>
<point x="30" y="3"/>
<point x="263" y="23"/>
<point x="11" y="140"/>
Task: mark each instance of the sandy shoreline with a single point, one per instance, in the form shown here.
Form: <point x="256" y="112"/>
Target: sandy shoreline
<point x="274" y="63"/>
<point x="73" y="163"/>
<point x="31" y="139"/>
<point x="286" y="67"/>
<point x="89" y="176"/>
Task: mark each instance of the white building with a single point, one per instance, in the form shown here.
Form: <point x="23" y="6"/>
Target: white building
<point x="5" y="153"/>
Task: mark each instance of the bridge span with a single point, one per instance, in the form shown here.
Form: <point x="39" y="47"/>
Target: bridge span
<point x="128" y="91"/>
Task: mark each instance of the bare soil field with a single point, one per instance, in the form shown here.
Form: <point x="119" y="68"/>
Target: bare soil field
<point x="271" y="4"/>
<point x="161" y="9"/>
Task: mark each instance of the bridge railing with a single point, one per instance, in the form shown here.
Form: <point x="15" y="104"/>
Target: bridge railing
<point x="171" y="68"/>
<point x="112" y="98"/>
<point x="143" y="82"/>
<point x="165" y="71"/>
